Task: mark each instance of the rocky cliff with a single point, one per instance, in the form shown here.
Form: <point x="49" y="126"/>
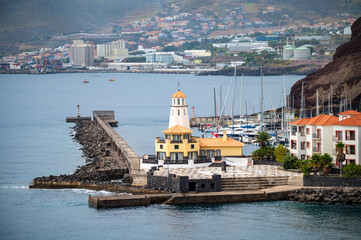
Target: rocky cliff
<point x="343" y="74"/>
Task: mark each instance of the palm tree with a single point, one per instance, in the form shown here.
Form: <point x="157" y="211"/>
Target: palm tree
<point x="340" y="156"/>
<point x="262" y="138"/>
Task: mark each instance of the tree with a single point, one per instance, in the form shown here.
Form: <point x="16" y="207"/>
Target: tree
<point x="340" y="156"/>
<point x="280" y="152"/>
<point x="262" y="138"/>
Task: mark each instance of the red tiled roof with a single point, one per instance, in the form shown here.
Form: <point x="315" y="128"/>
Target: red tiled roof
<point x="350" y="112"/>
<point x="300" y="121"/>
<point x="322" y="120"/>
<point x="352" y="121"/>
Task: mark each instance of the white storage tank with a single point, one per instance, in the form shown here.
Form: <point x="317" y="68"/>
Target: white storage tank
<point x="288" y="51"/>
<point x="302" y="53"/>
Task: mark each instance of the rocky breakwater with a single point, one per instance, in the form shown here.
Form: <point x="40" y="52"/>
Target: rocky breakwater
<point x="341" y="196"/>
<point x="103" y="164"/>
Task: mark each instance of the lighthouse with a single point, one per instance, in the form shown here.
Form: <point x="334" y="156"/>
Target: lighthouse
<point x="179" y="110"/>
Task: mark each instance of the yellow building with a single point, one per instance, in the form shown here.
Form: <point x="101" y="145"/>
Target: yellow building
<point x="179" y="146"/>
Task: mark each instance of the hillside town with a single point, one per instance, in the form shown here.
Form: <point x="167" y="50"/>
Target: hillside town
<point x="179" y="39"/>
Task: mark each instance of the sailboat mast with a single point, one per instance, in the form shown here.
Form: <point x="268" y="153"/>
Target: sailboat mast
<point x="241" y="105"/>
<point x="234" y="96"/>
<point x="331" y="101"/>
<point x="261" y="99"/>
<point x="302" y="104"/>
<point x="317" y="105"/>
<point x="215" y="109"/>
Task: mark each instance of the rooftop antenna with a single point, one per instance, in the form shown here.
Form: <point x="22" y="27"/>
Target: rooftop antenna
<point x="328" y="105"/>
<point x="178" y="86"/>
<point x="323" y="104"/>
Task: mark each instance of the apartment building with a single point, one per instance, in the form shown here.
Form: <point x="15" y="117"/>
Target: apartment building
<point x="320" y="134"/>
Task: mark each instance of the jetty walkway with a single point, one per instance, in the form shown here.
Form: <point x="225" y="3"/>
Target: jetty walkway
<point x="269" y="194"/>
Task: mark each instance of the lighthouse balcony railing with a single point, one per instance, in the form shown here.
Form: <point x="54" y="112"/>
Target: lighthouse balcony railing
<point x="160" y="140"/>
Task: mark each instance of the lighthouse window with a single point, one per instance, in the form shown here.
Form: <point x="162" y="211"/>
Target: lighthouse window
<point x="178" y="101"/>
<point x="177" y="137"/>
<point x="183" y="101"/>
<point x="178" y="112"/>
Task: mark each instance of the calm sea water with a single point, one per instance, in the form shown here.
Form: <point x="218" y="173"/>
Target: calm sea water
<point x="35" y="141"/>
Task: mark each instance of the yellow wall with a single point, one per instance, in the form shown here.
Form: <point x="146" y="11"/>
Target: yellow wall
<point x="184" y="147"/>
<point x="226" y="151"/>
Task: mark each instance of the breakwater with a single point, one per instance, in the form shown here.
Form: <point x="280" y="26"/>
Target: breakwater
<point x="102" y="162"/>
<point x="337" y="195"/>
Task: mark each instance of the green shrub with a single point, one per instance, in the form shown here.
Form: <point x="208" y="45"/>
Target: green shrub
<point x="289" y="162"/>
<point x="263" y="153"/>
<point x="352" y="170"/>
<point x="280" y="152"/>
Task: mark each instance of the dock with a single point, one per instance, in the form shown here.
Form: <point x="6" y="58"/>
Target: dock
<point x="269" y="194"/>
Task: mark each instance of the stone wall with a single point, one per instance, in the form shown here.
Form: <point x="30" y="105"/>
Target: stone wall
<point x="266" y="162"/>
<point x="182" y="184"/>
<point x="327" y="181"/>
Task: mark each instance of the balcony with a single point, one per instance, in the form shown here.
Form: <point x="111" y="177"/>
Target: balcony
<point x="160" y="140"/>
<point x="314" y="149"/>
<point x="315" y="136"/>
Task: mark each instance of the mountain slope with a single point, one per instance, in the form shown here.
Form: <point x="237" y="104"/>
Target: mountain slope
<point x="23" y="19"/>
<point x="343" y="73"/>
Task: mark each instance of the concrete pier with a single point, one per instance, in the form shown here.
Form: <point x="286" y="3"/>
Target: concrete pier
<point x="77" y="119"/>
<point x="270" y="194"/>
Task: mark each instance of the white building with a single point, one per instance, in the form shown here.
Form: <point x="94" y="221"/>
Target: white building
<point x="159" y="57"/>
<point x="320" y="134"/>
<point x="197" y="53"/>
<point x="81" y="55"/>
<point x="113" y="50"/>
<point x="348" y="131"/>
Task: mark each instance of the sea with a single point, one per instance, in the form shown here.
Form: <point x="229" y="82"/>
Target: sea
<point x="35" y="141"/>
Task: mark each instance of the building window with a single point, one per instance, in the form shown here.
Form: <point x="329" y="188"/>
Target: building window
<point x="302" y="157"/>
<point x="293" y="144"/>
<point x="161" y="155"/>
<point x="210" y="154"/>
<point x="167" y="136"/>
<point x="349" y="161"/>
<point x="302" y="131"/>
<point x="303" y="146"/>
<point x="192" y="146"/>
<point x="161" y="146"/>
<point x="178" y="112"/>
<point x="177" y="138"/>
<point x="339" y="135"/>
<point x="350" y="149"/>
<point x="203" y="153"/>
<point x="192" y="155"/>
<point x="318" y="147"/>
<point x="176" y="146"/>
<point x="308" y="144"/>
<point x="176" y="156"/>
<point x="318" y="133"/>
<point x="178" y="101"/>
<point x="308" y="156"/>
<point x="350" y="135"/>
<point x="183" y="101"/>
<point x="308" y="131"/>
<point x="186" y="136"/>
<point x="218" y="153"/>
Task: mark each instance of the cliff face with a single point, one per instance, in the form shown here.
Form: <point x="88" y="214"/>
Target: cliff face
<point x="343" y="73"/>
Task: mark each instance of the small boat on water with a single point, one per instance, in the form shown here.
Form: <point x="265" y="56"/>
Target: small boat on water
<point x="111" y="80"/>
<point x="85" y="81"/>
